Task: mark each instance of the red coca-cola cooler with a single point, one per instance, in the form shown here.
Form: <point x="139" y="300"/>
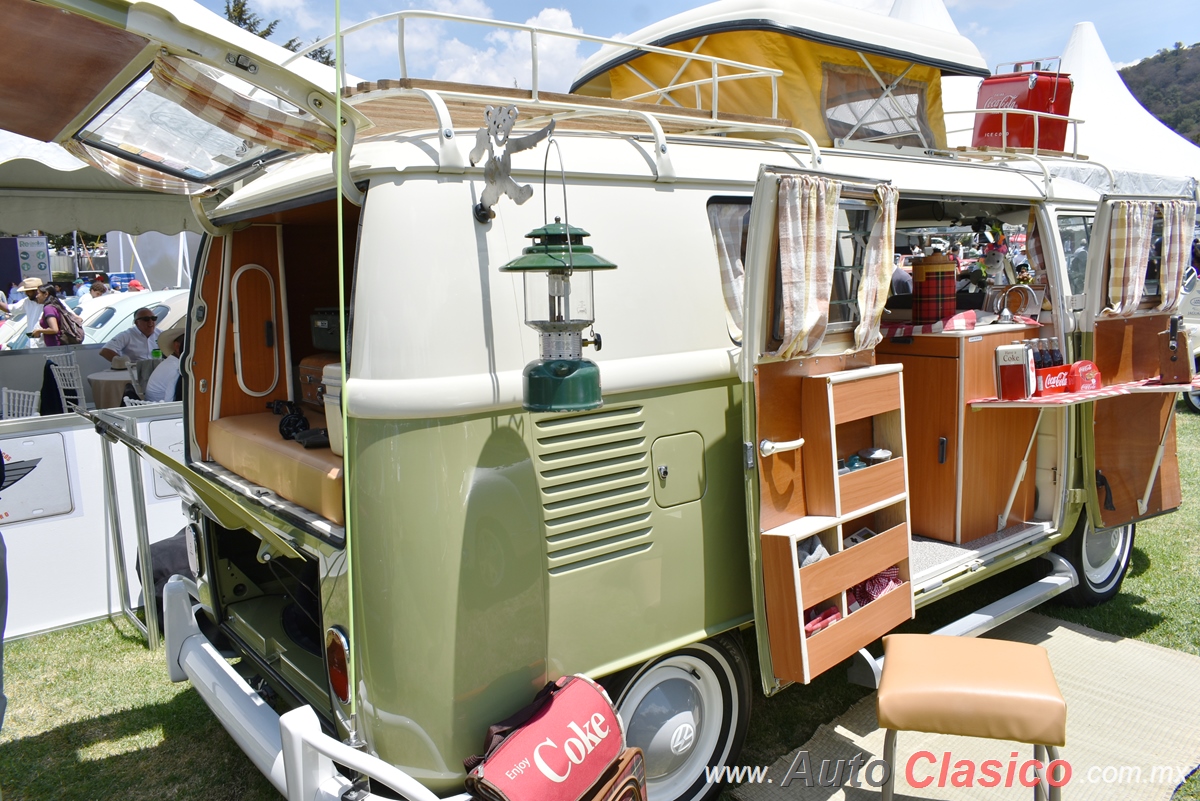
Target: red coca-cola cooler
<point x="1028" y="87"/>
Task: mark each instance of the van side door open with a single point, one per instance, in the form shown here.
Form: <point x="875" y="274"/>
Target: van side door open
<point x="824" y="446"/>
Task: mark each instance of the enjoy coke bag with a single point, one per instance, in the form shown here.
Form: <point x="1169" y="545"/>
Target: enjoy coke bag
<point x="555" y="749"/>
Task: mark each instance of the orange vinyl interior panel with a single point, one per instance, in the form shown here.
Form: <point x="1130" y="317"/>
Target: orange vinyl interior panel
<point x="202" y="348"/>
<point x="258" y="244"/>
<point x="54" y="64"/>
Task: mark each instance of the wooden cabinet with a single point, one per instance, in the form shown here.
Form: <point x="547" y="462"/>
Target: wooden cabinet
<point x="962" y="462"/>
<point x="841" y="414"/>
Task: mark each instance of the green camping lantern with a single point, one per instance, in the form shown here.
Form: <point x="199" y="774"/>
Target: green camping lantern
<point x="557" y="270"/>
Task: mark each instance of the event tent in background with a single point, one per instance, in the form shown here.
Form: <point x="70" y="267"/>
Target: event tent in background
<point x="1119" y="133"/>
<point x="43" y="187"/>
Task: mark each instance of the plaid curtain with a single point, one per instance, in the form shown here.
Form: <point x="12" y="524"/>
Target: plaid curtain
<point x="130" y="173"/>
<point x="808" y="208"/>
<point x="1128" y="252"/>
<point x="219" y="105"/>
<point x="1179" y="218"/>
<point x="877" y="268"/>
<point x="728" y="222"/>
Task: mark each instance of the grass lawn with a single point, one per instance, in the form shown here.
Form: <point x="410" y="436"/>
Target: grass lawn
<point x="92" y="715"/>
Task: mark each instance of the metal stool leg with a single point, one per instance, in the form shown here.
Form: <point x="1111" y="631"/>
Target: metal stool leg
<point x="889" y="756"/>
<point x="1042" y="787"/>
<point x="1051" y="756"/>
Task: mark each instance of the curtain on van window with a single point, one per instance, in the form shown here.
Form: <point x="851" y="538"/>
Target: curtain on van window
<point x="808" y="212"/>
<point x="877" y="268"/>
<point x="230" y="111"/>
<point x="729" y="222"/>
<point x="1179" y="220"/>
<point x="1128" y="252"/>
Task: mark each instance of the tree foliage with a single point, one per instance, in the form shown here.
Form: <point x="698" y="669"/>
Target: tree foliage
<point x="1168" y="85"/>
<point x="240" y="14"/>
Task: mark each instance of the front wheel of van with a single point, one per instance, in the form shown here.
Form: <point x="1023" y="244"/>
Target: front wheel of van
<point x="1100" y="558"/>
<point x="688" y="711"/>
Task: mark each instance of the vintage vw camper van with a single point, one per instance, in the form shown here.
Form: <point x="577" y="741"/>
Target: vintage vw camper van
<point x="762" y="435"/>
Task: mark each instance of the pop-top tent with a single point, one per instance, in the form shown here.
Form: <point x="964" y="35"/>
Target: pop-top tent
<point x="848" y="73"/>
<point x="1117" y="132"/>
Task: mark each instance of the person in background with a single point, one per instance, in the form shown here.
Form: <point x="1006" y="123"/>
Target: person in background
<point x="30" y="306"/>
<point x="98" y="289"/>
<point x="136" y="286"/>
<point x="136" y="342"/>
<point x="14" y="292"/>
<point x="50" y="325"/>
<point x="81" y="287"/>
<point x="164" y="379"/>
<point x="956" y="256"/>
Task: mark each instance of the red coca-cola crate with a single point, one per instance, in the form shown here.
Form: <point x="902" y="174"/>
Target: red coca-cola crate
<point x="1051" y="380"/>
<point x="1029" y="90"/>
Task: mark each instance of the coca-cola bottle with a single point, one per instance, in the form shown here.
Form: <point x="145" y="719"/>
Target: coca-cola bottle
<point x="1043" y="346"/>
<point x="1056" y="357"/>
<point x="1037" y="357"/>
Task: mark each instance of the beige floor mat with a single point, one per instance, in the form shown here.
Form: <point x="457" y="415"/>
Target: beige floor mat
<point x="1133" y="728"/>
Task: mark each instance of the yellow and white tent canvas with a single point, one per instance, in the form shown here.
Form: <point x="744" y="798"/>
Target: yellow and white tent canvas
<point x="844" y="74"/>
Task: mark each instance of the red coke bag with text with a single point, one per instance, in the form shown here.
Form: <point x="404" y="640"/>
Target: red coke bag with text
<point x="555" y="749"/>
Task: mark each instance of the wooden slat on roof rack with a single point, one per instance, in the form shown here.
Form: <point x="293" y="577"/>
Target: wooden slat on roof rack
<point x="392" y="111"/>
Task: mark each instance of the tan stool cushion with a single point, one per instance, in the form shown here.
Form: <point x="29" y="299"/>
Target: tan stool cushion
<point x="970" y="687"/>
<point x="250" y="445"/>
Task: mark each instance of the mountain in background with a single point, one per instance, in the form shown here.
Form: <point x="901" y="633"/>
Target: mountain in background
<point x="1168" y="85"/>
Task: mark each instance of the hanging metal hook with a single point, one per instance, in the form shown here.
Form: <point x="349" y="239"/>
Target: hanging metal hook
<point x="562" y="175"/>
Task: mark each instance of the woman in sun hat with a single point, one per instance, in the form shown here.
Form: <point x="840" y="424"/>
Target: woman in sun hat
<point x="31" y="307"/>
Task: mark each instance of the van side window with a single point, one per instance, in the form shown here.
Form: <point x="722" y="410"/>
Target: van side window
<point x="1075" y="232"/>
<point x="730" y="220"/>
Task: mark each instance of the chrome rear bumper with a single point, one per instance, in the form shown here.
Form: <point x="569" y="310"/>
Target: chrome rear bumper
<point x="291" y="750"/>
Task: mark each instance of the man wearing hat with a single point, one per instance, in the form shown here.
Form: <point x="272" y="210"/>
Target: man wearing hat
<point x="81" y="288"/>
<point x="33" y="309"/>
<point x="164" y="379"/>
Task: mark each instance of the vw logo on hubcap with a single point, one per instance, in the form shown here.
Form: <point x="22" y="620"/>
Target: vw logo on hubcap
<point x="683" y="738"/>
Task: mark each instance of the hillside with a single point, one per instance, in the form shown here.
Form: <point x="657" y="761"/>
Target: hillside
<point x="1168" y="85"/>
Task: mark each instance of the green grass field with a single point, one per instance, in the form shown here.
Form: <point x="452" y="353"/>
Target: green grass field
<point x="92" y="715"/>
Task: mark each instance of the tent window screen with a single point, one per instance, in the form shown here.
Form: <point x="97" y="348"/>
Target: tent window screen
<point x="851" y="104"/>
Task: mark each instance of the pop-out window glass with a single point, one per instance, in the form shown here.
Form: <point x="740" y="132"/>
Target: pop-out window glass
<point x="1075" y="231"/>
<point x="149" y="129"/>
<point x="849" y="104"/>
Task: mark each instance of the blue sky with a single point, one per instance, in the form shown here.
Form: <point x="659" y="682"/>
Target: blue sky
<point x="1004" y="30"/>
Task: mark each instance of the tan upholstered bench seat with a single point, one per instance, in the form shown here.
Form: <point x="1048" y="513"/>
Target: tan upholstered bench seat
<point x="971" y="687"/>
<point x="250" y="446"/>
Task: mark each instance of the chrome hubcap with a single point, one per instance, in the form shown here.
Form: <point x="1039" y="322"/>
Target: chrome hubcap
<point x="674" y="715"/>
<point x="1103" y="553"/>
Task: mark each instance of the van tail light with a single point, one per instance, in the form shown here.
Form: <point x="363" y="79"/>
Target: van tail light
<point x="337" y="661"/>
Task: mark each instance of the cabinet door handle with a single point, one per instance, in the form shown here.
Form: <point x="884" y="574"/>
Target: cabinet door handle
<point x="942" y="450"/>
<point x="767" y="447"/>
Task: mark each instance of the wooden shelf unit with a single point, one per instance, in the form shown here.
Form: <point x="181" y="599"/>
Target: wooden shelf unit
<point x="840" y="414"/>
<point x="791" y="590"/>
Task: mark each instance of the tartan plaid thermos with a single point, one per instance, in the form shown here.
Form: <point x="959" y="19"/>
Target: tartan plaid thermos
<point x="933" y="288"/>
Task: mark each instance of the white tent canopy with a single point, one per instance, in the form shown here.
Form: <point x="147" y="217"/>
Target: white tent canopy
<point x="43" y="187"/>
<point x="1145" y="156"/>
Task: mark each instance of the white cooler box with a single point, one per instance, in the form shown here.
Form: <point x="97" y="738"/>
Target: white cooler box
<point x="331" y="378"/>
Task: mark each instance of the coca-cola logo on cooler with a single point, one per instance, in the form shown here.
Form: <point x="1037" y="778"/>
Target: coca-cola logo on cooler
<point x="1056" y="380"/>
<point x="575" y="749"/>
<point x="1000" y="101"/>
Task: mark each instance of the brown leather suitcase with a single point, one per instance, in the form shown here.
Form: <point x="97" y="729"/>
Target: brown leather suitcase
<point x="311" y="368"/>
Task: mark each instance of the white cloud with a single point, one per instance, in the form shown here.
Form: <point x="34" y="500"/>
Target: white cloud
<point x="500" y="57"/>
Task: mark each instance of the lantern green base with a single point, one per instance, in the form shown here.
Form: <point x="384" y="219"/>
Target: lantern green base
<point x="562" y="385"/>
